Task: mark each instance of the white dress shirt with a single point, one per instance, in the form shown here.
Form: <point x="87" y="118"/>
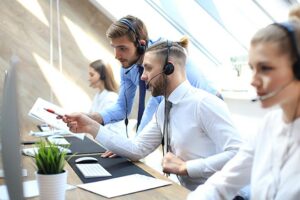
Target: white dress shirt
<point x="202" y="134"/>
<point x="271" y="162"/>
<point x="103" y="100"/>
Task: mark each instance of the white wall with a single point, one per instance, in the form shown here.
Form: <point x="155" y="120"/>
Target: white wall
<point x="246" y="115"/>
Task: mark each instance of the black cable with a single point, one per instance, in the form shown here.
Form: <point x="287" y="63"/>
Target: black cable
<point x="126" y="111"/>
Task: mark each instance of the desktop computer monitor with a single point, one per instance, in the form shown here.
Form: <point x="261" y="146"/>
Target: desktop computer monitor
<point x="10" y="134"/>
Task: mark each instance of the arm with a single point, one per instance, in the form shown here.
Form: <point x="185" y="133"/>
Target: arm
<point x="127" y="91"/>
<point x="226" y="183"/>
<point x="215" y="119"/>
<point x="134" y="149"/>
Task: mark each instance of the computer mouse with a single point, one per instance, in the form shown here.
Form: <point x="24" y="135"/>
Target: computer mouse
<point x="86" y="160"/>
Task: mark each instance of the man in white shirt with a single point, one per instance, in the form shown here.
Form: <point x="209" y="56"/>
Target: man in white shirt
<point x="201" y="137"/>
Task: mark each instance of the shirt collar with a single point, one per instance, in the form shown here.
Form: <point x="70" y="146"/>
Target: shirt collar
<point x="179" y="92"/>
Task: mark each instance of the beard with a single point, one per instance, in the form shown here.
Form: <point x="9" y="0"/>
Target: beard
<point x="126" y="63"/>
<point x="159" y="87"/>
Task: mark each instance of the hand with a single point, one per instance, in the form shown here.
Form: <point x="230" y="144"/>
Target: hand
<point x="173" y="164"/>
<point x="81" y="123"/>
<point x="108" y="154"/>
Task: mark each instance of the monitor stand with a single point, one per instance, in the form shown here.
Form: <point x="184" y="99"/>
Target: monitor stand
<point x="24" y="173"/>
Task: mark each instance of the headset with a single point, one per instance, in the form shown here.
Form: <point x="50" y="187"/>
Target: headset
<point x="140" y="44"/>
<point x="290" y="30"/>
<point x="102" y="73"/>
<point x="168" y="67"/>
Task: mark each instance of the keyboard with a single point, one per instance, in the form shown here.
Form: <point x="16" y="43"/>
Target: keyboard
<point x="92" y="170"/>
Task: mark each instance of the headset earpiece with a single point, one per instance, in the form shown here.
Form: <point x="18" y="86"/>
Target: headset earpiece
<point x="168" y="67"/>
<point x="102" y="72"/>
<point x="296" y="69"/>
<point x="102" y="76"/>
<point x="290" y="30"/>
<point x="141" y="45"/>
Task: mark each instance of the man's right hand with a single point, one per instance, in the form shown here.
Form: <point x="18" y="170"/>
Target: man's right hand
<point x="81" y="123"/>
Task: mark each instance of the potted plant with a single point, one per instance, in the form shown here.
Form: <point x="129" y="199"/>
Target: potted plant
<point x="51" y="176"/>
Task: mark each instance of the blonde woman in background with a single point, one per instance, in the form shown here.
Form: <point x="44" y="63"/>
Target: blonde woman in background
<point x="101" y="78"/>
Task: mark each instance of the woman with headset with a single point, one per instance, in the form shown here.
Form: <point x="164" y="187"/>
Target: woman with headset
<point x="101" y="78"/>
<point x="271" y="161"/>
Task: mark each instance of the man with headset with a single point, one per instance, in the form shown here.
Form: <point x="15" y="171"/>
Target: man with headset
<point x="129" y="38"/>
<point x="197" y="132"/>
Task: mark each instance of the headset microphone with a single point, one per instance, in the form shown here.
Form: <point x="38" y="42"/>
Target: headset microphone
<point x="272" y="94"/>
<point x="147" y="85"/>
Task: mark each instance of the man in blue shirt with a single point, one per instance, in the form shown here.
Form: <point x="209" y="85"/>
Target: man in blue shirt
<point x="129" y="38"/>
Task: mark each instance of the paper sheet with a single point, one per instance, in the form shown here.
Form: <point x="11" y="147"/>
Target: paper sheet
<point x="38" y="112"/>
<point x="123" y="185"/>
<point x="34" y="150"/>
<point x="58" y="140"/>
<point x="30" y="189"/>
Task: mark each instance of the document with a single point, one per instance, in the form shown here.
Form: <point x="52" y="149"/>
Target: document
<point x="32" y="151"/>
<point x="123" y="185"/>
<point x="47" y="112"/>
<point x="38" y="111"/>
<point x="58" y="140"/>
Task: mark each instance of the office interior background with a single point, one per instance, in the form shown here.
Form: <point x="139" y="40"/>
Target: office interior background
<point x="55" y="41"/>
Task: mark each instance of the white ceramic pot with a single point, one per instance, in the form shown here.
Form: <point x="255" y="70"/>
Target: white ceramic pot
<point x="52" y="186"/>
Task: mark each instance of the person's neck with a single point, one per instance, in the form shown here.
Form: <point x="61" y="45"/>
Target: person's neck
<point x="172" y="85"/>
<point x="291" y="110"/>
<point x="101" y="88"/>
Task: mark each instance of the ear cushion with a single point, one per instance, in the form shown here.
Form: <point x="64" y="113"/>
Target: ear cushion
<point x="102" y="73"/>
<point x="168" y="68"/>
<point x="102" y="76"/>
<point x="296" y="69"/>
<point x="141" y="47"/>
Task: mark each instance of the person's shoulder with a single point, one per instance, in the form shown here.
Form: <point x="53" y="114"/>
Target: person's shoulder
<point x="198" y="92"/>
<point x="109" y="94"/>
<point x="113" y="94"/>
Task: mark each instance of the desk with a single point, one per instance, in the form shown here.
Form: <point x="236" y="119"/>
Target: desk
<point x="173" y="191"/>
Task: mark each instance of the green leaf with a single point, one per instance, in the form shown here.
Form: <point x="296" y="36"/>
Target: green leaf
<point x="49" y="159"/>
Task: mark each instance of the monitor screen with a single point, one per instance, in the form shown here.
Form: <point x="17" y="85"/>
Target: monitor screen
<point x="10" y="134"/>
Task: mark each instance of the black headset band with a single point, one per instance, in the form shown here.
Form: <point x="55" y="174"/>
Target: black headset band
<point x="141" y="48"/>
<point x="291" y="32"/>
<point x="168" y="66"/>
<point x="129" y="25"/>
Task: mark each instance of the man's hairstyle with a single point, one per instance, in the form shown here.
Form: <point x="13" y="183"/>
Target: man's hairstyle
<point x="119" y="29"/>
<point x="176" y="51"/>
